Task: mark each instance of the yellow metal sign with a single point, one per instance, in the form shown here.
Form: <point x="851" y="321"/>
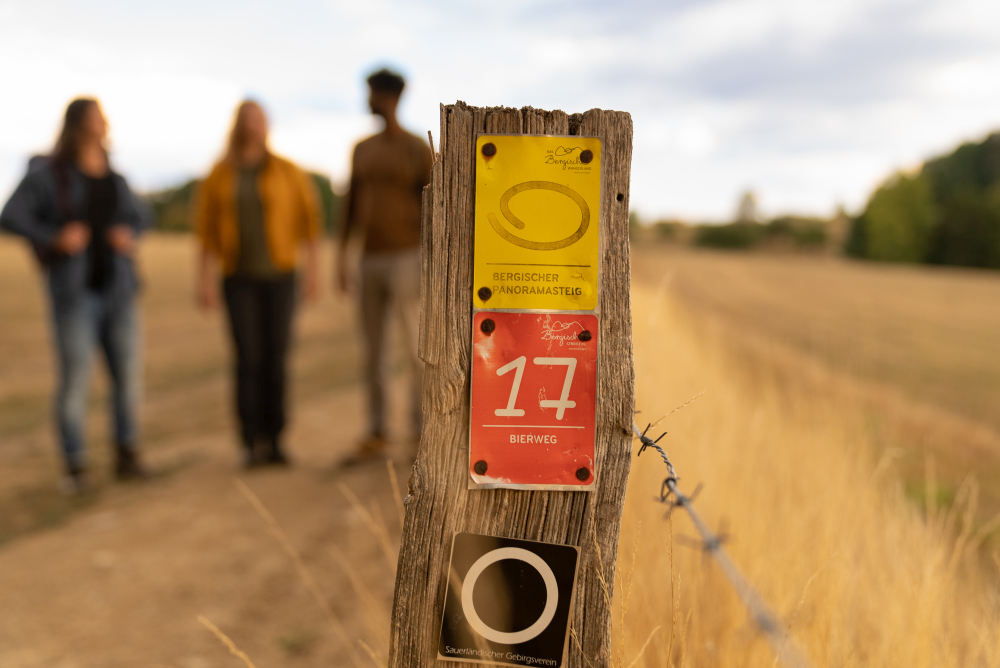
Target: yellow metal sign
<point x="538" y="203"/>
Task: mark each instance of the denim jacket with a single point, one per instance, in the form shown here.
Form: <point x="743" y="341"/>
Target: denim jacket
<point x="34" y="212"/>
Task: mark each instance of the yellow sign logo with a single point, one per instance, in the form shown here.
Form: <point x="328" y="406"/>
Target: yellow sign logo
<point x="519" y="224"/>
<point x="537" y="231"/>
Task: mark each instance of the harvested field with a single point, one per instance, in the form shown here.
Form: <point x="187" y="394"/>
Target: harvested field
<point x="844" y="407"/>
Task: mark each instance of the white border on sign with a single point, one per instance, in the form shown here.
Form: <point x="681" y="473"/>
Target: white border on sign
<point x="452" y="583"/>
<point x="603" y="215"/>
<point x="472" y="483"/>
<point x="551" y="595"/>
<point x="603" y="218"/>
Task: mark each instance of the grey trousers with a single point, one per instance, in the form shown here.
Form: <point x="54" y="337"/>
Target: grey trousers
<point x="390" y="286"/>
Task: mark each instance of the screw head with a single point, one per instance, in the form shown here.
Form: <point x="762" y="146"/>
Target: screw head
<point x="480" y="467"/>
<point x="586" y="156"/>
<point x="582" y="473"/>
<point x="487" y="326"/>
<point x="485" y="293"/>
<point x="489" y="149"/>
<point x="585" y="335"/>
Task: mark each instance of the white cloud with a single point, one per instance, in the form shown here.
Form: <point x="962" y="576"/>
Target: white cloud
<point x="809" y="102"/>
<point x="322" y="142"/>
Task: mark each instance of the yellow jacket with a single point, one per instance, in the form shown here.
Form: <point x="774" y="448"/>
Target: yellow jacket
<point x="291" y="213"/>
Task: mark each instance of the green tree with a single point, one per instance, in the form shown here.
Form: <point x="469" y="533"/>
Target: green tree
<point x="172" y="207"/>
<point x="949" y="213"/>
<point x="734" y="236"/>
<point x="329" y="201"/>
<point x="898" y="223"/>
<point x="969" y="233"/>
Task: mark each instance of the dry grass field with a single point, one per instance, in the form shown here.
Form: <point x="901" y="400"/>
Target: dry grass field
<point x="844" y="408"/>
<point x="922" y="344"/>
<point x="802" y="461"/>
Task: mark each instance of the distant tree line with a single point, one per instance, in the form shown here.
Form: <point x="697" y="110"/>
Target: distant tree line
<point x="783" y="233"/>
<point x="946" y="213"/>
<point x="789" y="231"/>
<point x="172" y="206"/>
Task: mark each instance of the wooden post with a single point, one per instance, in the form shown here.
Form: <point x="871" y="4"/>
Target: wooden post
<point x="439" y="503"/>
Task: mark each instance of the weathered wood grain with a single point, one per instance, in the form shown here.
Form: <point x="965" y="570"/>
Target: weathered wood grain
<point x="439" y="504"/>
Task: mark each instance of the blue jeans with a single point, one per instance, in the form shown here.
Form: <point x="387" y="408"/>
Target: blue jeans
<point x="108" y="320"/>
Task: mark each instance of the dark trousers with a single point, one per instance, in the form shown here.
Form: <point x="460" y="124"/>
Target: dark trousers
<point x="260" y="318"/>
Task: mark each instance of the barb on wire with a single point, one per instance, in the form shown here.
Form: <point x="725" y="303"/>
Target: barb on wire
<point x="787" y="652"/>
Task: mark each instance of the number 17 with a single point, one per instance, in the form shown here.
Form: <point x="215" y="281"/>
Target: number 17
<point x="560" y="404"/>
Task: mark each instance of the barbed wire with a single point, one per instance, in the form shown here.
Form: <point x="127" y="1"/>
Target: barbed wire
<point x="785" y="649"/>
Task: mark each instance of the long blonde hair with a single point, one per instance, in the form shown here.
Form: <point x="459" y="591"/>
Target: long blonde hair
<point x="238" y="132"/>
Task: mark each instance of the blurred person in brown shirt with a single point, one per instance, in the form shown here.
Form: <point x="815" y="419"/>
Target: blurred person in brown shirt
<point x="388" y="173"/>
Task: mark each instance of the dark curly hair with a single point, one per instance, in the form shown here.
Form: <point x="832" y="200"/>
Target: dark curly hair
<point x="386" y="80"/>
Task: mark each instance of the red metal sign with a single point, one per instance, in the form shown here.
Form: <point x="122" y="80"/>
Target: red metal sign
<point x="534" y="391"/>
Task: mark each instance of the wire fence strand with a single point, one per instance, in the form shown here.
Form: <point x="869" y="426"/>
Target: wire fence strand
<point x="785" y="649"/>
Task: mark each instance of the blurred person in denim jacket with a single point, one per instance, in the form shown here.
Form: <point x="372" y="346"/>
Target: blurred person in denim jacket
<point x="83" y="222"/>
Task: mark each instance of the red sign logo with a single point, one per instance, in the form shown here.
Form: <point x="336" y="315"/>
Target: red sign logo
<point x="534" y="391"/>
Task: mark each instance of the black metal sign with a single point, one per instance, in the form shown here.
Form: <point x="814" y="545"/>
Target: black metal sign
<point x="508" y="601"/>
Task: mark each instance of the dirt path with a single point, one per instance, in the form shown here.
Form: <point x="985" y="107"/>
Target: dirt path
<point x="121" y="582"/>
<point x="119" y="577"/>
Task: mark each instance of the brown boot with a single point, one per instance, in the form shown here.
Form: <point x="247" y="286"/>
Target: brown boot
<point x="128" y="466"/>
<point x="76" y="482"/>
<point x="276" y="455"/>
<point x="371" y="449"/>
<point x="251" y="458"/>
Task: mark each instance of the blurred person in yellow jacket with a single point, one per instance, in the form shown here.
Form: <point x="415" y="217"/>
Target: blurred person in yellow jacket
<point x="388" y="172"/>
<point x="254" y="213"/>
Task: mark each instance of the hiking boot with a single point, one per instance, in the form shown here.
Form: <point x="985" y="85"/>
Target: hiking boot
<point x="75" y="482"/>
<point x="128" y="466"/>
<point x="371" y="449"/>
<point x="250" y="458"/>
<point x="276" y="454"/>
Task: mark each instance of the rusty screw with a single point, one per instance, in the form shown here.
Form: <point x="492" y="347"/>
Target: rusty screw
<point x="581" y="473"/>
<point x="585" y="335"/>
<point x="586" y="156"/>
<point x="489" y="149"/>
<point x="480" y="467"/>
<point x="488" y="326"/>
<point x="485" y="293"/>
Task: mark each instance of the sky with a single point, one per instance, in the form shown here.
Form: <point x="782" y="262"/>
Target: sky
<point x="810" y="104"/>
